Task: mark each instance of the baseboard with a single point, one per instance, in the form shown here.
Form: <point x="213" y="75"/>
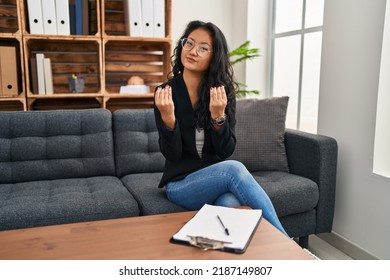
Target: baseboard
<point x="346" y="246"/>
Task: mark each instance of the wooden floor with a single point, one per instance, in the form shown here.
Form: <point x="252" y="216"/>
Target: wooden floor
<point x="324" y="250"/>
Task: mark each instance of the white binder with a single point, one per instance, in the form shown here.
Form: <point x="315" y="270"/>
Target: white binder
<point x="48" y="76"/>
<point x="159" y="18"/>
<point x="147" y="18"/>
<point x="35" y="18"/>
<point x="40" y="73"/>
<point x="49" y="17"/>
<point x="62" y="17"/>
<point x="133" y="17"/>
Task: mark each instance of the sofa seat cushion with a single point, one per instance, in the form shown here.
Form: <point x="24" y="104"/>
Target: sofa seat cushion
<point x="151" y="200"/>
<point x="41" y="203"/>
<point x="290" y="194"/>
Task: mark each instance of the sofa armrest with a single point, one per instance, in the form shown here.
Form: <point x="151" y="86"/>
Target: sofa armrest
<point x="314" y="157"/>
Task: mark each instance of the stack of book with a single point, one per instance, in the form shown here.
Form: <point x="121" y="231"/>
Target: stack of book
<point x="41" y="75"/>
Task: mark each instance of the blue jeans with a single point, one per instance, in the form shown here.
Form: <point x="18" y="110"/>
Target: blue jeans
<point x="227" y="183"/>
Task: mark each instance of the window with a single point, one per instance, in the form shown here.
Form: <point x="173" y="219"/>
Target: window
<point x="296" y="59"/>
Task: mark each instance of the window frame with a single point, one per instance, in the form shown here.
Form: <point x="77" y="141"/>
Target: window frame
<point x="302" y="32"/>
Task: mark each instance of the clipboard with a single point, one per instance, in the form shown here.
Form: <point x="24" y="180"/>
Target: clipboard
<point x="207" y="232"/>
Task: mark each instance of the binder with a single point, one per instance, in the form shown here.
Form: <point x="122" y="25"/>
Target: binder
<point x="85" y="20"/>
<point x="62" y="17"/>
<point x="49" y="17"/>
<point x="133" y="17"/>
<point x="9" y="74"/>
<point x="147" y="18"/>
<point x="220" y="228"/>
<point x="159" y="18"/>
<point x="1" y="83"/>
<point x="35" y="18"/>
<point x="34" y="75"/>
<point x="48" y="76"/>
<point x="78" y="14"/>
<point x="72" y="19"/>
<point x="40" y="73"/>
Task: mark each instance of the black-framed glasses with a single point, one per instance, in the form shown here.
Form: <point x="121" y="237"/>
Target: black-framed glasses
<point x="189" y="44"/>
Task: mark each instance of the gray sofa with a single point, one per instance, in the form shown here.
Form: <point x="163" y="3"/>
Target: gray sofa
<point x="81" y="165"/>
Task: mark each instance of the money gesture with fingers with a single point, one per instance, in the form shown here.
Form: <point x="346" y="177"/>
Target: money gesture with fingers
<point x="218" y="101"/>
<point x="164" y="103"/>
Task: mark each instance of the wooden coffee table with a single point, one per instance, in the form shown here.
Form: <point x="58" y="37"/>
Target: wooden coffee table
<point x="138" y="238"/>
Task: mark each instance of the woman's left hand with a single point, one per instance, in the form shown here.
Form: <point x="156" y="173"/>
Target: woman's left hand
<point x="218" y="101"/>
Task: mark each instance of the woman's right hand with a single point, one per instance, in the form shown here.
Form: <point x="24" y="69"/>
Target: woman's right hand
<point x="164" y="103"/>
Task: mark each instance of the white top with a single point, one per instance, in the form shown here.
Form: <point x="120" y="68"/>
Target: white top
<point x="199" y="140"/>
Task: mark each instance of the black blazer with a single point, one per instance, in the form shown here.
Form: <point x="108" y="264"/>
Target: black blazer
<point x="178" y="145"/>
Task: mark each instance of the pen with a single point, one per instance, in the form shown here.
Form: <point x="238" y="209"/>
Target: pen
<point x="225" y="228"/>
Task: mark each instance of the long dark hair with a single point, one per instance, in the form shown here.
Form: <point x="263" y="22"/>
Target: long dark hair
<point x="220" y="72"/>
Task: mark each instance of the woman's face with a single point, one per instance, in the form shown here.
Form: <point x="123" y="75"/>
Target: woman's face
<point x="199" y="57"/>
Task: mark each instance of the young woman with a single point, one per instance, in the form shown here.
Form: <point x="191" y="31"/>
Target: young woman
<point x="195" y="117"/>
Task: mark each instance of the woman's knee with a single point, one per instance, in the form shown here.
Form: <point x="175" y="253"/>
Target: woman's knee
<point x="227" y="200"/>
<point x="231" y="163"/>
<point x="236" y="167"/>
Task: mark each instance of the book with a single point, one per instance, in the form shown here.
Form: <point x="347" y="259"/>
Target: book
<point x="221" y="228"/>
<point x="48" y="76"/>
<point x="34" y="75"/>
<point x="40" y="73"/>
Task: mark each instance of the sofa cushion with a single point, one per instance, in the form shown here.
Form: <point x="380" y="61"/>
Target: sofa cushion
<point x="47" y="145"/>
<point x="151" y="200"/>
<point x="41" y="203"/>
<point x="260" y="133"/>
<point x="136" y="142"/>
<point x="290" y="194"/>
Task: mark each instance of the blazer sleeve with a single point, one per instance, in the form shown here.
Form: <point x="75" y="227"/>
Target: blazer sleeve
<point x="224" y="140"/>
<point x="169" y="139"/>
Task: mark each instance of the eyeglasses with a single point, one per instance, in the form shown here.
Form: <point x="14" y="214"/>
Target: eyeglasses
<point x="189" y="44"/>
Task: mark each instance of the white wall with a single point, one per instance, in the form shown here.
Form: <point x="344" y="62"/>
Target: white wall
<point x="257" y="24"/>
<point x="351" y="53"/>
<point x="219" y="12"/>
<point x="229" y="15"/>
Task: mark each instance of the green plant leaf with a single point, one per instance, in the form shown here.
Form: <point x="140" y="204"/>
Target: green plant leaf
<point x="240" y="54"/>
<point x="243" y="52"/>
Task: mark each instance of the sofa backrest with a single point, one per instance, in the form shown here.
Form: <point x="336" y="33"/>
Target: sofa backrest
<point x="46" y="145"/>
<point x="136" y="142"/>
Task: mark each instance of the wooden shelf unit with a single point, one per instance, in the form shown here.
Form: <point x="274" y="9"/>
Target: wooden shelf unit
<point x="11" y="35"/>
<point x="107" y="56"/>
<point x="125" y="56"/>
